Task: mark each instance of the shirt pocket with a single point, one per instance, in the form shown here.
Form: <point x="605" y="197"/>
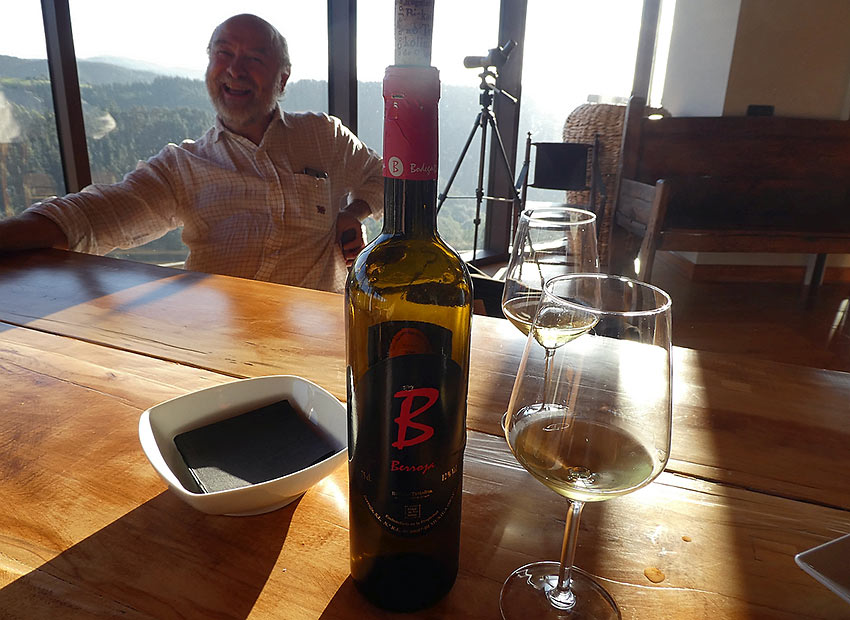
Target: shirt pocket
<point x="312" y="209"/>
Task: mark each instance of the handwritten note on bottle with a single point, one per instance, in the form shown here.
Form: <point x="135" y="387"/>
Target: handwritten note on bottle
<point x="414" y="20"/>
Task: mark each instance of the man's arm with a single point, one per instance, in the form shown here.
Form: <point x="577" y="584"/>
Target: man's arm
<point x="358" y="169"/>
<point x="29" y="231"/>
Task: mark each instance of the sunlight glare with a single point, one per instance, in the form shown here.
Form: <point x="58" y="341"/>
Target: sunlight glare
<point x="329" y="487"/>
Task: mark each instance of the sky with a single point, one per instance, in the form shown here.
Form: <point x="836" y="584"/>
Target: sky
<point x="573" y="47"/>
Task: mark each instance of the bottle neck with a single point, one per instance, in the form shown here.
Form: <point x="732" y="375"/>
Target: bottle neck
<point x="411" y="95"/>
<point x="410" y="208"/>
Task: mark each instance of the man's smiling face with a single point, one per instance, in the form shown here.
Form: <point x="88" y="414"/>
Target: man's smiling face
<point x="244" y="75"/>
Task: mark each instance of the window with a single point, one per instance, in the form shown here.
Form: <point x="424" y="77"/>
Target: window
<point x="143" y="87"/>
<point x="30" y="165"/>
<point x="574" y="51"/>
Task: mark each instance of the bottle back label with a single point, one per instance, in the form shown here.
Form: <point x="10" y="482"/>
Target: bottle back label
<point x="407" y="429"/>
<point x="411" y="150"/>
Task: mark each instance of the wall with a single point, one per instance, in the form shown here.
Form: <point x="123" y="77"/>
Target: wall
<point x="792" y="54"/>
<point x="727" y="54"/>
<point x="701" y="49"/>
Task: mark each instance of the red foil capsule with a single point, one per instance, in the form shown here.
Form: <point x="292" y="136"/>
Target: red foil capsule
<point x="411" y="144"/>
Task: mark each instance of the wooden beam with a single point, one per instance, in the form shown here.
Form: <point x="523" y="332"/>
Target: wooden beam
<point x="342" y="61"/>
<point x="62" y="63"/>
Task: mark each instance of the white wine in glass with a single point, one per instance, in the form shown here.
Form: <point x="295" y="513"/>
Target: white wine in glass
<point x="551" y="240"/>
<point x="589" y="417"/>
<point x="599" y="461"/>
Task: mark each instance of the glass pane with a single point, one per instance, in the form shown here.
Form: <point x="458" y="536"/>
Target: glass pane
<point x="460" y="29"/>
<point x="30" y="166"/>
<point x="576" y="51"/>
<point x="144" y="86"/>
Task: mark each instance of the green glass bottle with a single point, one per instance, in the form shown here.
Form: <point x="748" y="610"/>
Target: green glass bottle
<point x="408" y="316"/>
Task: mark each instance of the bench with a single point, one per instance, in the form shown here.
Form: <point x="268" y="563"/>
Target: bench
<point x="732" y="184"/>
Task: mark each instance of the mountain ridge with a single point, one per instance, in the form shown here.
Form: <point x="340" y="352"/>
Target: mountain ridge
<point x="89" y="71"/>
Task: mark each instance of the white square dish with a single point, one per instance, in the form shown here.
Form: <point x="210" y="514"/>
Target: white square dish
<point x="159" y="425"/>
<point x="829" y="564"/>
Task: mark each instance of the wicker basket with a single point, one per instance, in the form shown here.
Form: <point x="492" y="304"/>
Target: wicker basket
<point x="583" y="125"/>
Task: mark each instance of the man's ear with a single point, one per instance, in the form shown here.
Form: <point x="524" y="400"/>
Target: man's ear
<point x="283" y="78"/>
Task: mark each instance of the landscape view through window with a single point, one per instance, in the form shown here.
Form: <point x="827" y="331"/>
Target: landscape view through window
<point x="142" y="86"/>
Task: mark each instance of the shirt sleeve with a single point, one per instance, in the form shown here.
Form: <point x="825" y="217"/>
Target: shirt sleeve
<point x="361" y="169"/>
<point x="140" y="208"/>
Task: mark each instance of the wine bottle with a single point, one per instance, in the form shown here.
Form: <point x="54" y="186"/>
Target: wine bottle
<point x="408" y="314"/>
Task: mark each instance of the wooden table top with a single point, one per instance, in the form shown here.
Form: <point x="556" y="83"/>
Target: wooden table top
<point x="760" y="467"/>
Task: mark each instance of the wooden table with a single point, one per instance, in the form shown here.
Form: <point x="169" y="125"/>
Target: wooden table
<point x="760" y="468"/>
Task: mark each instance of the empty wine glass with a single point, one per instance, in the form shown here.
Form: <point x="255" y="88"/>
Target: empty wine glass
<point x="589" y="417"/>
<point x="551" y="240"/>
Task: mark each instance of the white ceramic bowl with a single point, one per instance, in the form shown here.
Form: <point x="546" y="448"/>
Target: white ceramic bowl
<point x="159" y="424"/>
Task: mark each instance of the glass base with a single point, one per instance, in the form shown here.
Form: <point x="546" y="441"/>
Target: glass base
<point x="531" y="592"/>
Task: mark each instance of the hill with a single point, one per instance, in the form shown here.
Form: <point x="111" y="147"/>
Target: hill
<point x="90" y="72"/>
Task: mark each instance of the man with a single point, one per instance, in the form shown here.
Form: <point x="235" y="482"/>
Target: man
<point x="263" y="194"/>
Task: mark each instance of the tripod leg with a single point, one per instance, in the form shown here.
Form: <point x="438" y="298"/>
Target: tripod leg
<point x="492" y="120"/>
<point x="442" y="197"/>
<point x="479" y="189"/>
<point x="517" y="199"/>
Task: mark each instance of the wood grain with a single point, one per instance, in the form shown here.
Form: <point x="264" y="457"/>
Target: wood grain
<point x="760" y="425"/>
<point x="90" y="531"/>
<point x="741" y="184"/>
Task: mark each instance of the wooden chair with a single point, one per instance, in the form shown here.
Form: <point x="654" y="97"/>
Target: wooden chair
<point x="487" y="295"/>
<point x="709" y="214"/>
<point x="568" y="166"/>
<point x="641" y="209"/>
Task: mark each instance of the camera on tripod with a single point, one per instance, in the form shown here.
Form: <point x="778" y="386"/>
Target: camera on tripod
<point x="491" y="63"/>
<point x="496" y="57"/>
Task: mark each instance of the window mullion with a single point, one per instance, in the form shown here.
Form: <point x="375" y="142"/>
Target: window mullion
<point x="342" y="61"/>
<point x="67" y="104"/>
<point x="497" y="228"/>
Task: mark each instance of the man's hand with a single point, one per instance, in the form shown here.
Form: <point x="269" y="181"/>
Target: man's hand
<point x="349" y="230"/>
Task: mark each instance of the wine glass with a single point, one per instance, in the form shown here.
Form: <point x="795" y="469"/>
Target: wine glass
<point x="589" y="417"/>
<point x="551" y="240"/>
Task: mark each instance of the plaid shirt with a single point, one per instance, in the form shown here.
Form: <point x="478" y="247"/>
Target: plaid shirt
<point x="265" y="212"/>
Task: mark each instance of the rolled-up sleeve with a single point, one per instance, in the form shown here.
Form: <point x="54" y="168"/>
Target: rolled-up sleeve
<point x="140" y="208"/>
<point x="356" y="169"/>
<point x="361" y="169"/>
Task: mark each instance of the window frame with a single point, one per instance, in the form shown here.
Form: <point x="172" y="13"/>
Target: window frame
<point x="342" y="97"/>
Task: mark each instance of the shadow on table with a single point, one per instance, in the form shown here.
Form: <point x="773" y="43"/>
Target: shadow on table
<point x="509" y="520"/>
<point x="161" y="560"/>
<point x="35" y="285"/>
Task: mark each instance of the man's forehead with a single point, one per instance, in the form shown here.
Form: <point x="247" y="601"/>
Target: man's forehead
<point x="255" y="46"/>
<point x="254" y="36"/>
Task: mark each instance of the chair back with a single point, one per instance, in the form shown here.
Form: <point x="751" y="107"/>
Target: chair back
<point x="561" y="165"/>
<point x="568" y="166"/>
<point x="487" y="295"/>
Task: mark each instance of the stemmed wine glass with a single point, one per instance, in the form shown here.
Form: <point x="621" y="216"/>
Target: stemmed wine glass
<point x="589" y="417"/>
<point x="550" y="240"/>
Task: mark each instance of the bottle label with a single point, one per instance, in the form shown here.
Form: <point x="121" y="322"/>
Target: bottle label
<point x="407" y="429"/>
<point x="411" y="95"/>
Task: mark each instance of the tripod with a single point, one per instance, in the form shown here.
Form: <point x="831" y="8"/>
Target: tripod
<point x="484" y="119"/>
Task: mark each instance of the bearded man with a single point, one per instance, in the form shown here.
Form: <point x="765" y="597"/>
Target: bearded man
<point x="263" y="194"/>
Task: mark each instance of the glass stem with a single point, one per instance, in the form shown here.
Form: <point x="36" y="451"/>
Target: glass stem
<point x="562" y="597"/>
<point x="548" y="397"/>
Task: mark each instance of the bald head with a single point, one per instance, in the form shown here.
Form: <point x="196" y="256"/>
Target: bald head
<point x="266" y="33"/>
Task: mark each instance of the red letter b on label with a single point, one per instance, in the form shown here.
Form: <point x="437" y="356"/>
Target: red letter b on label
<point x="404" y="420"/>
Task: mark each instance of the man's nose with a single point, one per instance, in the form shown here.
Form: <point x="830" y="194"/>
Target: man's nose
<point x="236" y="66"/>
